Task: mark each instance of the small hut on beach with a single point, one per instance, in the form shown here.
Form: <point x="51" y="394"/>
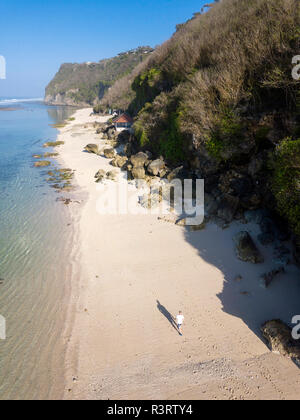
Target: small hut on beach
<point x="123" y="121"/>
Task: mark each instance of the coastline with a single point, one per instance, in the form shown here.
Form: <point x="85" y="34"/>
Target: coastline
<point x="121" y="344"/>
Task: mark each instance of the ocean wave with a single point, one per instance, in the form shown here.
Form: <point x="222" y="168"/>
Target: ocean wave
<point x="19" y="101"/>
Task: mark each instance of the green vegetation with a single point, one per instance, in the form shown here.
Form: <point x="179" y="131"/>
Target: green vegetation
<point x="285" y="164"/>
<point x="171" y="142"/>
<point x="237" y="57"/>
<point x="86" y="83"/>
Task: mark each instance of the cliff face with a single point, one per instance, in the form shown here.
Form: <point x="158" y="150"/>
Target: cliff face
<point x="219" y="97"/>
<point x="84" y="84"/>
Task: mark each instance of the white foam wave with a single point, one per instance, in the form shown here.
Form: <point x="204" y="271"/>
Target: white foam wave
<point x="19" y="101"/>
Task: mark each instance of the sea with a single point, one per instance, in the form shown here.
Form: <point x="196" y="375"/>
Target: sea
<point x="35" y="243"/>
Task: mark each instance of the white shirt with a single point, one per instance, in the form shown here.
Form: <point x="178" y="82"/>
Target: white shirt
<point x="180" y="319"/>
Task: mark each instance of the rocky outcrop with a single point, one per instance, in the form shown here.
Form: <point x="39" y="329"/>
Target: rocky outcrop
<point x="139" y="160"/>
<point x="109" y="152"/>
<point x="227" y="207"/>
<point x="246" y="249"/>
<point x="138" y="172"/>
<point x="157" y="168"/>
<point x="42" y="163"/>
<point x="279" y="338"/>
<point x="119" y="161"/>
<point x="101" y="175"/>
<point x="267" y="278"/>
<point x="92" y="148"/>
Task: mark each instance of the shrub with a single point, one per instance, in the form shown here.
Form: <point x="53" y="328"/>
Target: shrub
<point x="285" y="166"/>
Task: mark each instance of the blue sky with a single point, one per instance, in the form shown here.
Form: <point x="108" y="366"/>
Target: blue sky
<point x="36" y="36"/>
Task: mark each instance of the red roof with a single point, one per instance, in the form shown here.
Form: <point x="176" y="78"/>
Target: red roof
<point x="124" y="118"/>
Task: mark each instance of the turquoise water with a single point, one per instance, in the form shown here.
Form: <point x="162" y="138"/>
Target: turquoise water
<point x="34" y="234"/>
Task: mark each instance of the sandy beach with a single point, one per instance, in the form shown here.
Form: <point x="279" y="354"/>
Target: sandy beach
<point x="136" y="272"/>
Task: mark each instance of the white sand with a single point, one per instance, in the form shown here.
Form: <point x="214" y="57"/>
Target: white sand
<point x="122" y="346"/>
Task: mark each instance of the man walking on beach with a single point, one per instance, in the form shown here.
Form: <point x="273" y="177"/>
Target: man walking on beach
<point x="179" y="319"/>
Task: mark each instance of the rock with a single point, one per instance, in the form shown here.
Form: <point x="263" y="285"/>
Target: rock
<point x="37" y="156"/>
<point x="251" y="201"/>
<point x="157" y="168"/>
<point x="138" y="172"/>
<point x="100" y="175"/>
<point x="219" y="222"/>
<point x="266" y="238"/>
<point x="47" y="155"/>
<point x="210" y="204"/>
<point x="149" y="154"/>
<point x="280" y="340"/>
<point x="235" y="183"/>
<point x="119" y="161"/>
<point x="124" y="136"/>
<point x="92" y="148"/>
<point x="170" y="218"/>
<point x="196" y="228"/>
<point x="255" y="166"/>
<point x="246" y="249"/>
<point x="129" y="149"/>
<point x="112" y="175"/>
<point x="255" y="216"/>
<point x="267" y="278"/>
<point x="42" y="163"/>
<point x="228" y="207"/>
<point x="139" y="160"/>
<point x="149" y="201"/>
<point x="109" y="152"/>
<point x="53" y="143"/>
<point x="66" y="201"/>
<point x="111" y="133"/>
<point x="281" y="255"/>
<point x="175" y="173"/>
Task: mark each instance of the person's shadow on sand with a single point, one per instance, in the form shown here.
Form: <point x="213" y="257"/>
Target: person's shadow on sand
<point x="167" y="315"/>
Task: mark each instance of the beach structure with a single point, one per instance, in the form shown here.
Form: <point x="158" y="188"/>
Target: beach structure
<point x="123" y="121"/>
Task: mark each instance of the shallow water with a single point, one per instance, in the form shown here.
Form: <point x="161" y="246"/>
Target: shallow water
<point x="34" y="245"/>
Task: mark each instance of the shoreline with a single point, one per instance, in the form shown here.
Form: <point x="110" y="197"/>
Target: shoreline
<point x="133" y="272"/>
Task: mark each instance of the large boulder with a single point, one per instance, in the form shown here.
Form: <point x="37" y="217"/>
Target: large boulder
<point x="124" y="136"/>
<point x="175" y="173"/>
<point x="119" y="161"/>
<point x="280" y="340"/>
<point x="100" y="175"/>
<point x="112" y="175"/>
<point x="109" y="152"/>
<point x="139" y="160"/>
<point x="227" y="207"/>
<point x="111" y="133"/>
<point x="246" y="249"/>
<point x="92" y="148"/>
<point x="157" y="167"/>
<point x="138" y="172"/>
<point x="267" y="278"/>
<point x="210" y="204"/>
